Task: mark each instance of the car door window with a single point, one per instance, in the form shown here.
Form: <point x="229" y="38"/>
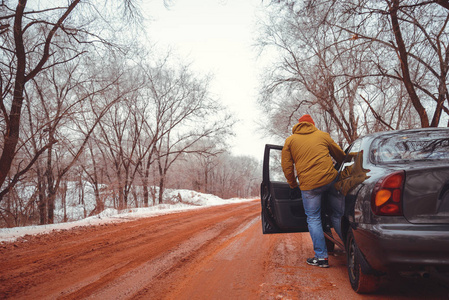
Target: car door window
<point x="275" y="172"/>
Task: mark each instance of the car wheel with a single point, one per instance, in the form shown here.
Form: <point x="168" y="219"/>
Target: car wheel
<point x="361" y="283"/>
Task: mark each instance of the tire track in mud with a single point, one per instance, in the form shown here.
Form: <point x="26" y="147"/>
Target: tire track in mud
<point x="160" y="275"/>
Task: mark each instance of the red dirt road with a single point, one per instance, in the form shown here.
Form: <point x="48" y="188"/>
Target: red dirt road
<point x="209" y="253"/>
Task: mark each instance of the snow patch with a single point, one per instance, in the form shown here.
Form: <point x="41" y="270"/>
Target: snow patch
<point x="181" y="200"/>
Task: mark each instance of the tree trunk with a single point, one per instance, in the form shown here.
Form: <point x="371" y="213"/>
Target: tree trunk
<point x="146" y="193"/>
<point x="51" y="207"/>
<point x="403" y="59"/>
<point x="99" y="205"/>
<point x="11" y="137"/>
<point x="50" y="182"/>
<point x="146" y="179"/>
<point x="161" y="189"/>
<point x="134" y="193"/>
<point x="206" y="174"/>
<point x="82" y="197"/>
<point x="442" y="92"/>
<point x="161" y="180"/>
<point x="98" y="201"/>
<point x="42" y="202"/>
<point x="63" y="200"/>
<point x="153" y="194"/>
<point x="120" y="190"/>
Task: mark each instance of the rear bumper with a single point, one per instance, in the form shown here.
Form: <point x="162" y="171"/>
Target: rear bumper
<point x="404" y="247"/>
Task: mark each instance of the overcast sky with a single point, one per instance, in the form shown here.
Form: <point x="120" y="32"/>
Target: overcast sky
<point x="218" y="37"/>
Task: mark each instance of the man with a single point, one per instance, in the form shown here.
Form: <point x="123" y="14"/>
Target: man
<point x="310" y="150"/>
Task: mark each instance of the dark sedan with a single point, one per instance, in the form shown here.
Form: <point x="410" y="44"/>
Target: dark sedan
<point x="396" y="187"/>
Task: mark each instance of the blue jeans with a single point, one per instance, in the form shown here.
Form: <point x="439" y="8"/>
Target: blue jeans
<point x="312" y="206"/>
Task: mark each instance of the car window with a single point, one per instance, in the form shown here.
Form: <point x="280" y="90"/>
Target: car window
<point x="416" y="146"/>
<point x="276" y="173"/>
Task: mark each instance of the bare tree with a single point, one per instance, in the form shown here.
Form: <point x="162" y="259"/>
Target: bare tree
<point x="58" y="115"/>
<point x="93" y="174"/>
<point x="22" y="75"/>
<point x="411" y="37"/>
<point x="359" y="65"/>
<point x="439" y="47"/>
<point x="32" y="34"/>
<point x="187" y="116"/>
<point x="120" y="133"/>
<point x="310" y="75"/>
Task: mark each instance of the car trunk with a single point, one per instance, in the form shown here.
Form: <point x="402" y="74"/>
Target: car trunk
<point x="426" y="195"/>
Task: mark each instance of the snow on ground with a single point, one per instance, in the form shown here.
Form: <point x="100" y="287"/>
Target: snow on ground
<point x="189" y="200"/>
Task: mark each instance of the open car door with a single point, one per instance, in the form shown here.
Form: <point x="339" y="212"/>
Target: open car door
<point x="281" y="210"/>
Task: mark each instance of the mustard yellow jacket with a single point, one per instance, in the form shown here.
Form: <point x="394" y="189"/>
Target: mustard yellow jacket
<point x="310" y="150"/>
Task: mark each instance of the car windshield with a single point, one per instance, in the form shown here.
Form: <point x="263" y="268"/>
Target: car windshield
<point x="416" y="146"/>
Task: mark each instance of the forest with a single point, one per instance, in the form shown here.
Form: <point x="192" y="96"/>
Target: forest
<point x="85" y="100"/>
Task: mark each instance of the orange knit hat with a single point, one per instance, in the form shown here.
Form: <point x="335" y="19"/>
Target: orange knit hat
<point x="306" y="118"/>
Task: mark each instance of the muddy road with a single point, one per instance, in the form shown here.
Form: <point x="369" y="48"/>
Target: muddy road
<point x="209" y="253"/>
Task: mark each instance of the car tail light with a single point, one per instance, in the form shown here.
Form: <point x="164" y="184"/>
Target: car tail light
<point x="386" y="199"/>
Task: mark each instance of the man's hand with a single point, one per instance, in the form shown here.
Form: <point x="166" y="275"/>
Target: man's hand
<point x="295" y="193"/>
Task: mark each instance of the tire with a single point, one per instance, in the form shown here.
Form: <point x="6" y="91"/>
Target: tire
<point x="361" y="283"/>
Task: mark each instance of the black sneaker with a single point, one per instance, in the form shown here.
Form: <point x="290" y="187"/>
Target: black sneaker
<point x="320" y="262"/>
